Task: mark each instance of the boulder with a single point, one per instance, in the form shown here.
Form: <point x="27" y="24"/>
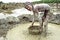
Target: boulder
<point x="2" y="38"/>
<point x="5" y="26"/>
<point x="58" y="16"/>
<point x="12" y="19"/>
<point x="27" y="17"/>
<point x="56" y="19"/>
<point x="3" y="29"/>
<point x="51" y="17"/>
<point x="3" y="21"/>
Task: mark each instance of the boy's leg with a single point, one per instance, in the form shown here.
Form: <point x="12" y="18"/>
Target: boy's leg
<point x="33" y="21"/>
<point x="40" y="15"/>
<point x="45" y="25"/>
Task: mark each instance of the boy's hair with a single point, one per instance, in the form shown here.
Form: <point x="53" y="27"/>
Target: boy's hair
<point x="28" y="3"/>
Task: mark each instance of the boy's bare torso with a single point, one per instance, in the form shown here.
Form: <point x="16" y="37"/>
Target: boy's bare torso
<point x="41" y="7"/>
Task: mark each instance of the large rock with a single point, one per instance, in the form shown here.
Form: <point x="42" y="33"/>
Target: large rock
<point x="4" y="28"/>
<point x="58" y="16"/>
<point x="51" y="17"/>
<point x="56" y="19"/>
<point x="12" y="19"/>
<point x="27" y="17"/>
<point x="2" y="38"/>
<point x="3" y="21"/>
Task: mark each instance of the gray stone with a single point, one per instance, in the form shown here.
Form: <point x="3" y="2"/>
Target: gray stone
<point x="12" y="19"/>
<point x="27" y="17"/>
<point x="5" y="26"/>
<point x="55" y="19"/>
<point x="3" y="21"/>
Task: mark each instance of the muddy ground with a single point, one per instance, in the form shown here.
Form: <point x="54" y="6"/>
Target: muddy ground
<point x="20" y="32"/>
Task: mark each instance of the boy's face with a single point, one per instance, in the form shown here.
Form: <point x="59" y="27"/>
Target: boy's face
<point x="28" y="7"/>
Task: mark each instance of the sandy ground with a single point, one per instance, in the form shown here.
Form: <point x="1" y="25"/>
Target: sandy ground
<point x="20" y="32"/>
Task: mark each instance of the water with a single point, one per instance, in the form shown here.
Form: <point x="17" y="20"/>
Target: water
<point x="20" y="32"/>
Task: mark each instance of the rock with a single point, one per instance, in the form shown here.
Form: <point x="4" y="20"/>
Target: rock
<point x="58" y="16"/>
<point x="51" y="17"/>
<point x="12" y="19"/>
<point x="3" y="21"/>
<point x="3" y="32"/>
<point x="55" y="22"/>
<point x="27" y="17"/>
<point x="2" y="38"/>
<point x="55" y="19"/>
<point x="4" y="28"/>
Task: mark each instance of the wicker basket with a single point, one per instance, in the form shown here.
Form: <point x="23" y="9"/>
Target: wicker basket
<point x="34" y="30"/>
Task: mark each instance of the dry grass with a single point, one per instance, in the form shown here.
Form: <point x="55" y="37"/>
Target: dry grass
<point x="8" y="12"/>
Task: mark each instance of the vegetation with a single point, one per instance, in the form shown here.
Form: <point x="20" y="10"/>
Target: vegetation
<point x="48" y="1"/>
<point x="6" y="7"/>
<point x="54" y="2"/>
<point x="51" y="1"/>
<point x="8" y="12"/>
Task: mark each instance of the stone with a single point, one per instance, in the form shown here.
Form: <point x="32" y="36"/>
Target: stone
<point x="3" y="21"/>
<point x="55" y="19"/>
<point x="12" y="19"/>
<point x="27" y="17"/>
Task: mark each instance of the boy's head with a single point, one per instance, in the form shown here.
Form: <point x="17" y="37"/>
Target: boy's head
<point x="28" y="6"/>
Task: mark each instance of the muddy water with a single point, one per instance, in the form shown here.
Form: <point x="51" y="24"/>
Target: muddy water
<point x="20" y="32"/>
